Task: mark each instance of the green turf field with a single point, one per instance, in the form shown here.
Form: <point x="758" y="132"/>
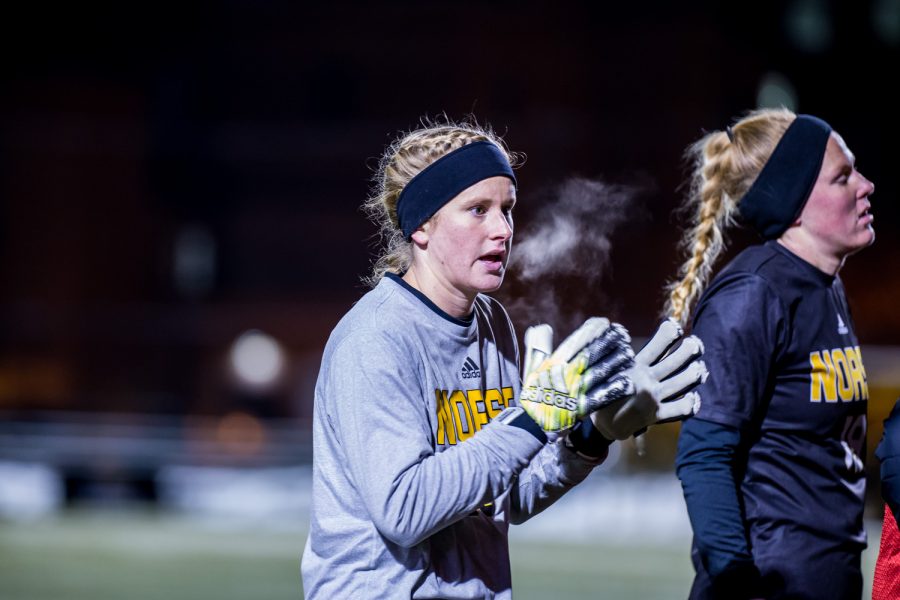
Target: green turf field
<point x="154" y="556"/>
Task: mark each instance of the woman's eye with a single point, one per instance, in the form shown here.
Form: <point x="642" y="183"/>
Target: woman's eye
<point x="478" y="210"/>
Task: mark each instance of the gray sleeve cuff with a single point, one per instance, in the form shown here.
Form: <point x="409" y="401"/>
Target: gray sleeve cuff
<point x="515" y="416"/>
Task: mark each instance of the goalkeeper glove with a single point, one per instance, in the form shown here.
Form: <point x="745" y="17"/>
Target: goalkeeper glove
<point x="662" y="385"/>
<point x="583" y="374"/>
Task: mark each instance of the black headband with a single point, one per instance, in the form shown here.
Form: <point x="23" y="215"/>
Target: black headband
<point x="442" y="180"/>
<point x="781" y="189"/>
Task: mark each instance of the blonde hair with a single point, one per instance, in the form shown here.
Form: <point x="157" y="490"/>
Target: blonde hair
<point x="723" y="169"/>
<point x="402" y="160"/>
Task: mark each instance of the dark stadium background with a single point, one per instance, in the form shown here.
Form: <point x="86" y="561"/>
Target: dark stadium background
<point x="175" y="175"/>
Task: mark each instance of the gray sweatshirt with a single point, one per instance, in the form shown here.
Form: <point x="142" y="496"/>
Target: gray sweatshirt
<point x="417" y="472"/>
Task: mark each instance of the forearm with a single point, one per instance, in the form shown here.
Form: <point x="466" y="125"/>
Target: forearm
<point x="556" y="469"/>
<point x="705" y="465"/>
<point x="410" y="498"/>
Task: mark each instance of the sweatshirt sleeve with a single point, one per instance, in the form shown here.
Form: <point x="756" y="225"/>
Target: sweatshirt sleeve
<point x="742" y="324"/>
<point x="707" y="453"/>
<point x="378" y="411"/>
<point x="557" y="468"/>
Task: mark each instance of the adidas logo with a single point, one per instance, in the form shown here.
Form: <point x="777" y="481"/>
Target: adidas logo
<point x="470" y="370"/>
<point x="842" y="329"/>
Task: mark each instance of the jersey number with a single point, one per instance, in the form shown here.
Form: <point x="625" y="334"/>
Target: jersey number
<point x="853" y="438"/>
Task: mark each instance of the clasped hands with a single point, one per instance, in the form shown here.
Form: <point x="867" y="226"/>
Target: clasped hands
<point x="595" y="373"/>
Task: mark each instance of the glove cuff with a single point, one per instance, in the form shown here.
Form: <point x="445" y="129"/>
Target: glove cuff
<point x="584" y="439"/>
<point x="515" y="416"/>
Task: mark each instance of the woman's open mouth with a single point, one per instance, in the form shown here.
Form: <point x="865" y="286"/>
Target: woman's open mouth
<point x="867" y="217"/>
<point x="493" y="262"/>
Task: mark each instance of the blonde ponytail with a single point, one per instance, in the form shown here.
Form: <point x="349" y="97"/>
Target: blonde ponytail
<point x="725" y="165"/>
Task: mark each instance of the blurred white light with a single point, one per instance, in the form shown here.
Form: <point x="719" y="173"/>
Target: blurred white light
<point x="29" y="491"/>
<point x="278" y="496"/>
<point x="257" y="358"/>
<point x="775" y="90"/>
<point x="886" y="21"/>
<point x="808" y="25"/>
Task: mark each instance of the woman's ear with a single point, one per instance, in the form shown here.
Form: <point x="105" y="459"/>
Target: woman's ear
<point x="420" y="235"/>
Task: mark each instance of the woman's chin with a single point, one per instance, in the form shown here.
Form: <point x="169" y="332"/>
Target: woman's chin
<point x="490" y="282"/>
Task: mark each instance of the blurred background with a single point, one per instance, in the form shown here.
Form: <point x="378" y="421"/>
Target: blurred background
<point x="180" y="230"/>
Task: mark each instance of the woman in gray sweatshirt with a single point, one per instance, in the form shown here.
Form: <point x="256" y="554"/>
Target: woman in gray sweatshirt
<point x="423" y="454"/>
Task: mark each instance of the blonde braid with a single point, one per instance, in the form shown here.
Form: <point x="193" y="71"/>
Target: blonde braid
<point x="723" y="171"/>
<point x="705" y="239"/>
